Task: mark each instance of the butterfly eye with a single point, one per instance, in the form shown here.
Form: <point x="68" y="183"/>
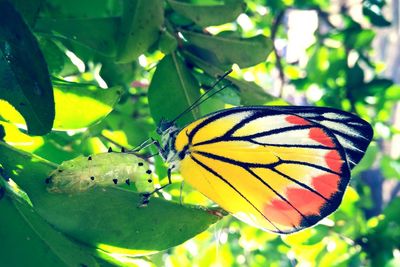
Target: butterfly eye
<point x="163" y="126"/>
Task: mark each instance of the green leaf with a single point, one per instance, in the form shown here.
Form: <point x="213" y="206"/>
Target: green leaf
<point x="107" y="260"/>
<point x="355" y="78"/>
<point x="318" y="64"/>
<point x="172" y="90"/>
<point x="134" y="131"/>
<point x="77" y="105"/>
<point x="390" y="167"/>
<point x="363" y="39"/>
<point x="208" y="15"/>
<point x="375" y="87"/>
<point x="368" y="159"/>
<point x="309" y="236"/>
<point x="77" y="9"/>
<point x="140" y="28"/>
<point x="55" y="57"/>
<point x="99" y="34"/>
<point x="225" y="51"/>
<point x="393" y="262"/>
<point x="25" y="81"/>
<point x="27" y="240"/>
<point x="393" y="93"/>
<point x="118" y="74"/>
<point x="107" y="217"/>
<point x="167" y="43"/>
<point x="81" y="105"/>
<point x="250" y="93"/>
<point x="382" y="239"/>
<point x="228" y="95"/>
<point x="374" y="13"/>
<point x="28" y="9"/>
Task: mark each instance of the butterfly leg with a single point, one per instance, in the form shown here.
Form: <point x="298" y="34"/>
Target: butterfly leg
<point x="146" y="196"/>
<point x="158" y="145"/>
<point x="143" y="145"/>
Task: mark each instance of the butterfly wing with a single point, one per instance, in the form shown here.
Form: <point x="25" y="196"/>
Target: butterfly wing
<point x="267" y="166"/>
<point x="353" y="133"/>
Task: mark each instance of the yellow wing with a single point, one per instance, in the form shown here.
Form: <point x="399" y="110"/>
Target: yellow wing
<point x="270" y="168"/>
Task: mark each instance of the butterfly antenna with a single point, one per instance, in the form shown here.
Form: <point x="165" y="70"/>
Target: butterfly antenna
<point x="214" y="93"/>
<point x="206" y="94"/>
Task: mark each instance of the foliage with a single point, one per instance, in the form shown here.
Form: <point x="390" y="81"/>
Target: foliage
<point x="156" y="58"/>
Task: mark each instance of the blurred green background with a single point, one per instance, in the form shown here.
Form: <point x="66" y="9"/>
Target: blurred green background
<point x="78" y="77"/>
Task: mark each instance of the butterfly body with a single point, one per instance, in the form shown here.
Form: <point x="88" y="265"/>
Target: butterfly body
<point x="281" y="169"/>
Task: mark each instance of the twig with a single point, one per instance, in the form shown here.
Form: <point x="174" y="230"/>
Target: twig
<point x="324" y="16"/>
<point x="277" y="22"/>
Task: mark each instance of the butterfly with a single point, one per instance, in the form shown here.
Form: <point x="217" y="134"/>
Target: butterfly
<point x="281" y="169"/>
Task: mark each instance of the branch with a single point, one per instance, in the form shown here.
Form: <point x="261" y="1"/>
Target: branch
<point x="277" y="22"/>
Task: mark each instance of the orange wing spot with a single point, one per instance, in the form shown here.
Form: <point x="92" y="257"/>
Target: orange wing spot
<point x="334" y="161"/>
<point x="326" y="184"/>
<point x="307" y="202"/>
<point x="281" y="205"/>
<point x="317" y="134"/>
<point x="296" y="120"/>
<point x="280" y="212"/>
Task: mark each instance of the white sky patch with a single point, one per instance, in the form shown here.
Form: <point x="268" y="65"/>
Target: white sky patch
<point x="372" y="100"/>
<point x="331" y="246"/>
<point x="353" y="58"/>
<point x="223" y="237"/>
<point x="98" y="78"/>
<point x="143" y="61"/>
<point x="314" y="93"/>
<point x="76" y="61"/>
<point x="262" y="10"/>
<point x="396" y="253"/>
<point x="301" y="27"/>
<point x="382" y="130"/>
<point x="291" y="255"/>
<point x="327" y="222"/>
<point x="332" y="43"/>
<point x="245" y="22"/>
<point x="240" y="259"/>
<point x="191" y="246"/>
<point x="249" y="76"/>
<point x="73" y="132"/>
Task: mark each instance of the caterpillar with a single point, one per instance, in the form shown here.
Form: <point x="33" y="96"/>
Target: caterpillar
<point x="103" y="169"/>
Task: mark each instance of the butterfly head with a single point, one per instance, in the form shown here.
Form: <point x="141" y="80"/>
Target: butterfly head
<point x="168" y="131"/>
<point x="164" y="126"/>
